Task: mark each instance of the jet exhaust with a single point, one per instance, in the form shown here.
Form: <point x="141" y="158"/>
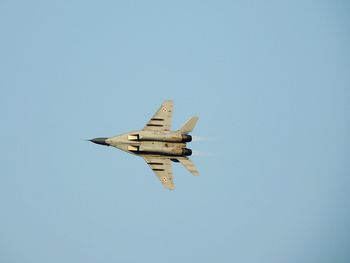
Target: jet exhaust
<point x="186" y="152"/>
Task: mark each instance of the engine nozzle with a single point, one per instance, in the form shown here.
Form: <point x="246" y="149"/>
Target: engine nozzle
<point x="186" y="152"/>
<point x="186" y="138"/>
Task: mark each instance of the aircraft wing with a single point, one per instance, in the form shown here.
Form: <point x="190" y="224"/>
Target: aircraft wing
<point x="163" y="170"/>
<point x="161" y="120"/>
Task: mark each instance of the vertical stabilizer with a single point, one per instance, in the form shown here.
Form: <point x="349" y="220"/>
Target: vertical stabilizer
<point x="189" y="125"/>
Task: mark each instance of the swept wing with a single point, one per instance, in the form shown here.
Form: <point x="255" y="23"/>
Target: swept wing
<point x="161" y="120"/>
<point x="163" y="170"/>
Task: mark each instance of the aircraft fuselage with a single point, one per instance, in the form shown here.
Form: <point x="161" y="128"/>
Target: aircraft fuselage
<point x="152" y="143"/>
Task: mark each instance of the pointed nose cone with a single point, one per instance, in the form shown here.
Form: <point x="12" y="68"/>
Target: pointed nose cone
<point x="101" y="141"/>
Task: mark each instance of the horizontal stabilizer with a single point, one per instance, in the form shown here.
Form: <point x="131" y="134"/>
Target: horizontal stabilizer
<point x="189" y="125"/>
<point x="189" y="165"/>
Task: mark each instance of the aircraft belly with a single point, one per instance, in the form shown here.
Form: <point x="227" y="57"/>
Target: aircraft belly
<point x="163" y="148"/>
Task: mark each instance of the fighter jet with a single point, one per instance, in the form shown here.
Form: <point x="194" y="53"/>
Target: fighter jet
<point x="158" y="145"/>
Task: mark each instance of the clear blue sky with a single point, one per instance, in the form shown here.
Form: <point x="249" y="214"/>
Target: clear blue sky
<point x="270" y="82"/>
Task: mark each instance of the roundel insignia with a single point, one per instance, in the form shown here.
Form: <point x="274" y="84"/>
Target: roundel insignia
<point x="164" y="109"/>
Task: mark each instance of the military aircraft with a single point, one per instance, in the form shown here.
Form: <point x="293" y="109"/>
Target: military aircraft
<point x="157" y="144"/>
